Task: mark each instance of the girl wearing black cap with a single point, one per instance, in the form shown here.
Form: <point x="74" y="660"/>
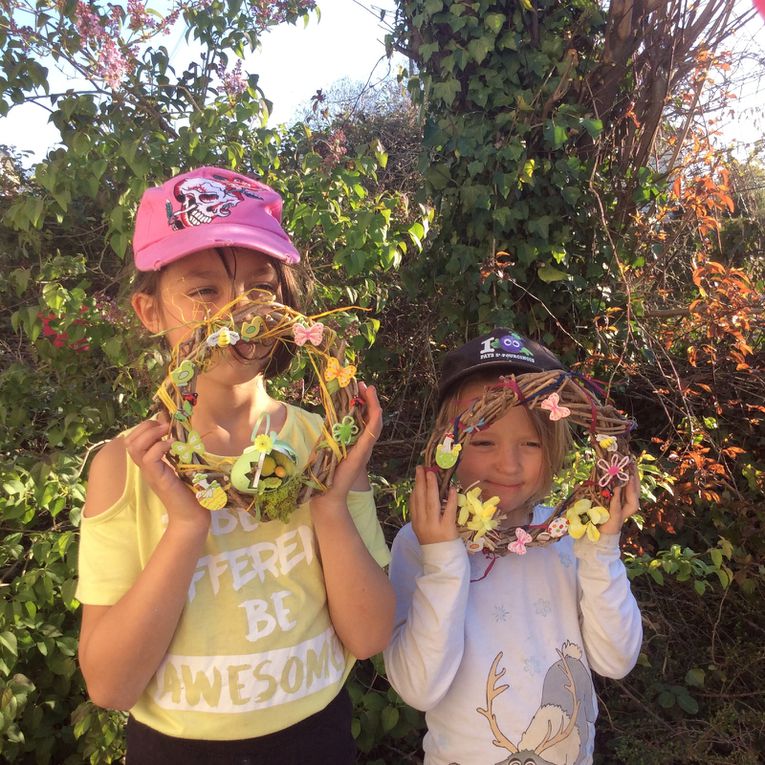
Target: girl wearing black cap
<point x="497" y="648"/>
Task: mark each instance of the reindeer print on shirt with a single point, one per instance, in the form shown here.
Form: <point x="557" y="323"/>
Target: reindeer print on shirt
<point x="559" y="732"/>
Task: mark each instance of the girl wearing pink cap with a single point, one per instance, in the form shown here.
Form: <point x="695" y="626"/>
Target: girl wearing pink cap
<point x="228" y="639"/>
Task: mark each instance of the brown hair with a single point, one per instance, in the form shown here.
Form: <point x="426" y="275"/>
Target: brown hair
<point x="555" y="436"/>
<point x="295" y="290"/>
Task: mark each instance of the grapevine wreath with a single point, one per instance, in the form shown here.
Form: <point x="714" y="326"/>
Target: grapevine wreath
<point x="265" y="480"/>
<point x="562" y="395"/>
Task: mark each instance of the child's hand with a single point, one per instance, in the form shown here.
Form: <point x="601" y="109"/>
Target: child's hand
<point x="350" y="473"/>
<point x="624" y="503"/>
<point x="431" y="523"/>
<point x="147" y="445"/>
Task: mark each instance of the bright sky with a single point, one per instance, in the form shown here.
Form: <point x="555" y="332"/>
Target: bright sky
<point x="293" y="63"/>
<point x="347" y="42"/>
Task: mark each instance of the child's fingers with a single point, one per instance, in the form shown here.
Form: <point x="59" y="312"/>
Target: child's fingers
<point x="417" y="497"/>
<point x="615" y="505"/>
<point x="433" y="500"/>
<point x="631" y="492"/>
<point x="353" y="466"/>
<point x="432" y="522"/>
<point x="449" y="518"/>
<point x="144" y="437"/>
<point x="372" y="411"/>
<point x="157" y="451"/>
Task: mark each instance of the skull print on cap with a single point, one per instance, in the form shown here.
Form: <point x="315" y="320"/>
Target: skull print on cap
<point x="208" y="207"/>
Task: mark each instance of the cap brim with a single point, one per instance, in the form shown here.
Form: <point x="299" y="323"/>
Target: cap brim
<point x="514" y="367"/>
<point x="194" y="239"/>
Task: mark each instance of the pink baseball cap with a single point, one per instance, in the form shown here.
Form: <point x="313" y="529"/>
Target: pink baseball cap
<point x="208" y="207"/>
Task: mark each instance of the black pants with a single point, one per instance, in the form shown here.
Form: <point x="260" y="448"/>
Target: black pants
<point x="321" y="739"/>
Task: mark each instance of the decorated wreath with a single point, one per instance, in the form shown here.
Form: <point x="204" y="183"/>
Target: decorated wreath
<point x="562" y="395"/>
<point x="265" y="480"/>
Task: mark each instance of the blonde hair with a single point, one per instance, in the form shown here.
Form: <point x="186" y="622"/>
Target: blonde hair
<point x="555" y="436"/>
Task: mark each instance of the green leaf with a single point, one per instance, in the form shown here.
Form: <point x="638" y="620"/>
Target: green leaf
<point x="480" y="48"/>
<point x="593" y="127"/>
<point x="695" y="677"/>
<point x="494" y="21"/>
<point x="666" y="699"/>
<point x="548" y="273"/>
<point x="687" y="703"/>
<point x="447" y="91"/>
<point x="555" y="135"/>
<point x="558" y="253"/>
<point x="8" y="640"/>
<point x="571" y="194"/>
<point x="389" y="718"/>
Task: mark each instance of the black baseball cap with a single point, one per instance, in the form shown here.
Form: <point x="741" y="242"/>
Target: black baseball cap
<point x="503" y="350"/>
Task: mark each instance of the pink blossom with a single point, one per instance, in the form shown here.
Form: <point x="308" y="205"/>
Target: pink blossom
<point x="88" y="23"/>
<point x="233" y="82"/>
<point x="111" y="64"/>
<point x="138" y="17"/>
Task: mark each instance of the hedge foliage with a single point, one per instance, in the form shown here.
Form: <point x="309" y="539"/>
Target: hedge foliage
<point x="531" y="202"/>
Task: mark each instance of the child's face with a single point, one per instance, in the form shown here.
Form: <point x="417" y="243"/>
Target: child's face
<point x="198" y="286"/>
<point x="506" y="459"/>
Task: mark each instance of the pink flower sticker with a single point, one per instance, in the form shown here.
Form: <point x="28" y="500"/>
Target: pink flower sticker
<point x="615" y="469"/>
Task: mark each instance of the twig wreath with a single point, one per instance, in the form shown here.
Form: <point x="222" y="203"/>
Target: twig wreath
<point x="265" y="479"/>
<point x="563" y="395"/>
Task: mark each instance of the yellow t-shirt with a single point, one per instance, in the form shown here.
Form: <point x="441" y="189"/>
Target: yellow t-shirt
<point x="255" y="650"/>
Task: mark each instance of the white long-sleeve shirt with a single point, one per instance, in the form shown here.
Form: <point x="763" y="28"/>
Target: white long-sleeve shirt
<point x="498" y="653"/>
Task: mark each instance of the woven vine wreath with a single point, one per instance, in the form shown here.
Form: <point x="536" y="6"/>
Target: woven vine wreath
<point x="265" y="480"/>
<point x="561" y="395"/>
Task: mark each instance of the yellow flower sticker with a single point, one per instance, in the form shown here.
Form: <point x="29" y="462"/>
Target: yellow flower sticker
<point x="476" y="515"/>
<point x="584" y="518"/>
<point x="263" y="443"/>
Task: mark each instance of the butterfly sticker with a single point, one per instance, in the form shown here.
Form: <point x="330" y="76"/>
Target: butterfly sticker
<point x="447" y="453"/>
<point x="312" y="334"/>
<point x="335" y="371"/>
<point x="522" y="538"/>
<point x="185" y="451"/>
<point x="552" y="405"/>
<point x="223" y="338"/>
<point x="183" y="412"/>
<point x="345" y="431"/>
<point x="251" y="329"/>
<point x="183" y="373"/>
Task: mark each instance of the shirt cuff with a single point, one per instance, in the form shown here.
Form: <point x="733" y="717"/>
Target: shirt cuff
<point x="440" y="555"/>
<point x="607" y="545"/>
